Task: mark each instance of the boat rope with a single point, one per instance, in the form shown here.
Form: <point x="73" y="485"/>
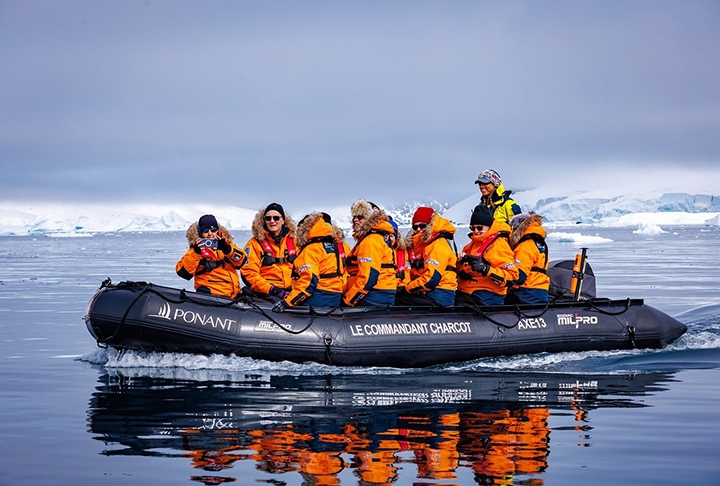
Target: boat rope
<point x="520" y="312"/>
<point x="479" y="310"/>
<point x="104" y="340"/>
<point x="631" y="334"/>
<point x="592" y="304"/>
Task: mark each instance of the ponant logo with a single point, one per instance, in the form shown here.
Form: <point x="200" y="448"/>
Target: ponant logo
<point x="163" y="313"/>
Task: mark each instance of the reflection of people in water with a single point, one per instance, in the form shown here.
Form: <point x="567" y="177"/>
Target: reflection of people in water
<point x="496" y="444"/>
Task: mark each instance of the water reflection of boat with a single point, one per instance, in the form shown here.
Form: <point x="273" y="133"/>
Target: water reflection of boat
<point x="493" y="424"/>
<point x="139" y="316"/>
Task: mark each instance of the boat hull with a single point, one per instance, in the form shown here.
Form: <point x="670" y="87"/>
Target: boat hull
<point x="146" y="317"/>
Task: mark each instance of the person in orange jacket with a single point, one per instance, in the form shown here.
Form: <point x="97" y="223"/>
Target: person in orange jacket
<point x="531" y="256"/>
<point x="318" y="269"/>
<point x="212" y="259"/>
<point x="402" y="261"/>
<point x="371" y="263"/>
<point x="271" y="252"/>
<point x="432" y="259"/>
<point x="487" y="264"/>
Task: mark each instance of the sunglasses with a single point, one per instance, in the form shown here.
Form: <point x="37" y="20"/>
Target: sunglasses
<point x="483" y="183"/>
<point x="359" y="217"/>
<point x="211" y="229"/>
<point x="476" y="227"/>
<point x="419" y="226"/>
<point x="273" y="218"/>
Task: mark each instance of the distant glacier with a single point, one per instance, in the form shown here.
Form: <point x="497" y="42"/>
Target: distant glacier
<point x="602" y="208"/>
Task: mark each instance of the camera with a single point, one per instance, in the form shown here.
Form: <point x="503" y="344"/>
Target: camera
<point x="211" y="243"/>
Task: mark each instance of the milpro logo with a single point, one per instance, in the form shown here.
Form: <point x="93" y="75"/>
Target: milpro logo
<point x="575" y="320"/>
<point x="169" y="313"/>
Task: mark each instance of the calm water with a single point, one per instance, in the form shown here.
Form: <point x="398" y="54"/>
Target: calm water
<point x="71" y="413"/>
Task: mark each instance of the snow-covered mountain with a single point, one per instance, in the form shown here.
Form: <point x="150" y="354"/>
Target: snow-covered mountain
<point x="601" y="208"/>
<point x="605" y="209"/>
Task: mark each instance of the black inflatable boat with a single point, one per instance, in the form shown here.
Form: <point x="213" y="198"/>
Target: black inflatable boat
<point x="147" y="317"/>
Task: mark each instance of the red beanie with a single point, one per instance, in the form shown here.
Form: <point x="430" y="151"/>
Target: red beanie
<point x="422" y="215"/>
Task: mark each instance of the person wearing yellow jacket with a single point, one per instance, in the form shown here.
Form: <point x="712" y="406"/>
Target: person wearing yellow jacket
<point x="495" y="197"/>
<point x="371" y="263"/>
<point x="212" y="259"/>
<point x="433" y="259"/>
<point x="486" y="264"/>
<point x="318" y="279"/>
<point x="531" y="256"/>
<point x="271" y="252"/>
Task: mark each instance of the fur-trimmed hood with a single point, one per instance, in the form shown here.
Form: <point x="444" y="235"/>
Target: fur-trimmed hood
<point x="314" y="226"/>
<point x="524" y="227"/>
<point x="258" y="226"/>
<point x="400" y="244"/>
<point x="437" y="225"/>
<point x="193" y="234"/>
<point x="377" y="220"/>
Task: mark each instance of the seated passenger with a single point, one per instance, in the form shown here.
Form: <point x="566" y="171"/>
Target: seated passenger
<point x="371" y="262"/>
<point x="271" y="252"/>
<point x="402" y="262"/>
<point x="486" y="264"/>
<point x="212" y="259"/>
<point x="495" y="197"/>
<point x="318" y="269"/>
<point x="432" y="261"/>
<point x="531" y="257"/>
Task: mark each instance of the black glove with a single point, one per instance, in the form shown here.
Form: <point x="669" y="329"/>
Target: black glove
<point x="480" y="267"/>
<point x="196" y="249"/>
<point x="401" y="289"/>
<point x="224" y="246"/>
<point x="279" y="306"/>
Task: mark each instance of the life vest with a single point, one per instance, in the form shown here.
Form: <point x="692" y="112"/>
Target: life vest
<point x="269" y="256"/>
<point x="480" y="252"/>
<point x="400" y="264"/>
<point x="540" y="242"/>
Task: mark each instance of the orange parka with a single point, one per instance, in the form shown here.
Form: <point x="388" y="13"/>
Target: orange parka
<point x="432" y="257"/>
<point x="213" y="271"/>
<point x="270" y="259"/>
<point x="531" y="253"/>
<point x="319" y="265"/>
<point x="371" y="263"/>
<point x="497" y="254"/>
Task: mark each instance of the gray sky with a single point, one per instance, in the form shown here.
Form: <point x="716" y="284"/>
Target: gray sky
<point x="303" y="101"/>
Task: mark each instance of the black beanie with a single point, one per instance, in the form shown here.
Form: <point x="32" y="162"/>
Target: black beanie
<point x="481" y="216"/>
<point x="275" y="207"/>
<point x="206" y="222"/>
